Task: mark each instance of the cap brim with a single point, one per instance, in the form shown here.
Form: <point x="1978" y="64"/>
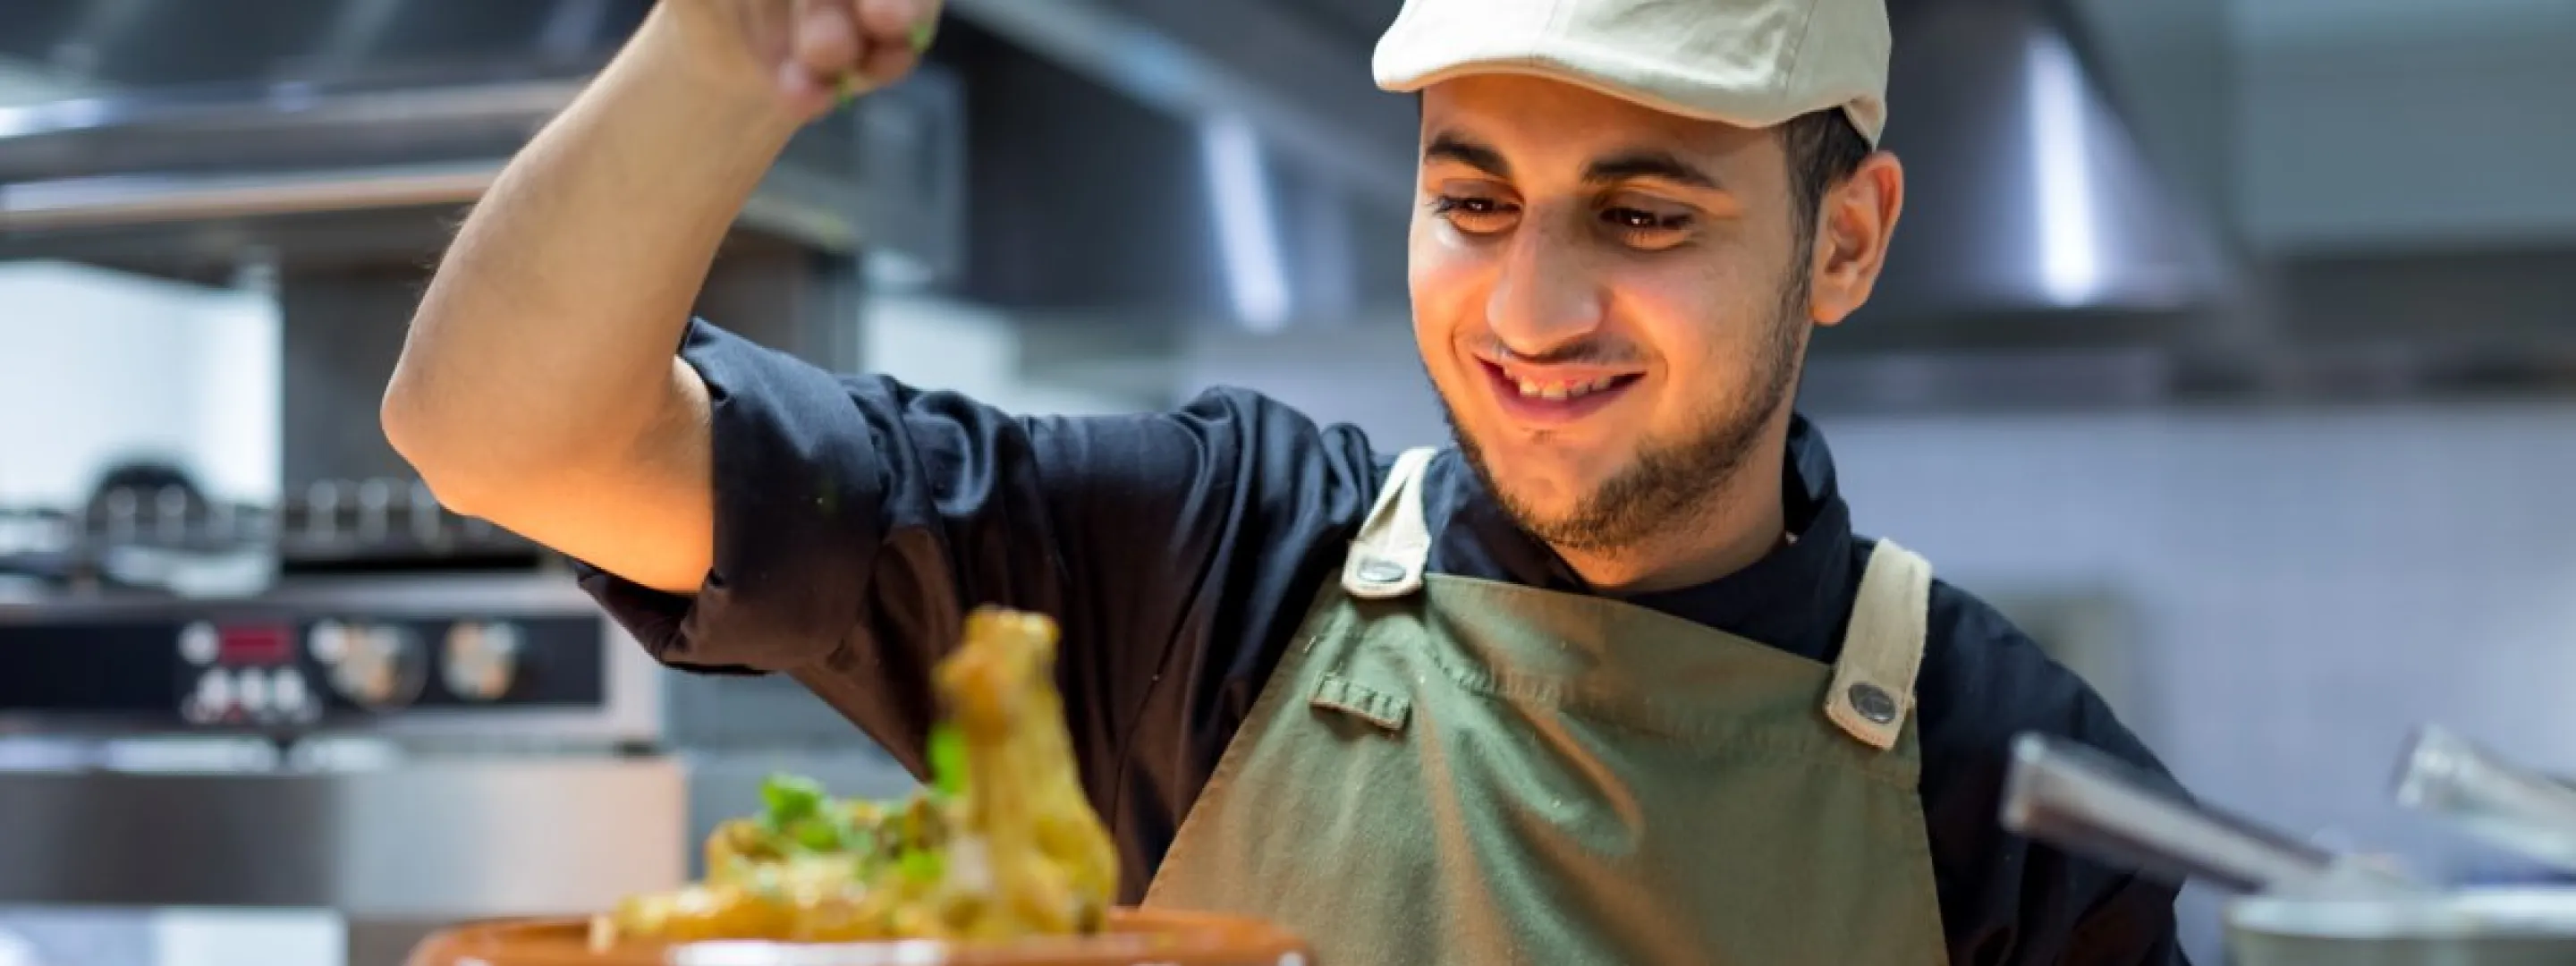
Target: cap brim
<point x="1550" y="69"/>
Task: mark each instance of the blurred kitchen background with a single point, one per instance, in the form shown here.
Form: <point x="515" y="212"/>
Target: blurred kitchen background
<point x="2227" y="344"/>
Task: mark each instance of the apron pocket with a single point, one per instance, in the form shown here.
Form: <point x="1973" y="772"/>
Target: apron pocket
<point x="1384" y="709"/>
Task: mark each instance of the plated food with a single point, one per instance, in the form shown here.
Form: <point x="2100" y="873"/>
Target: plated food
<point x="1002" y="844"/>
<point x="1000" y="861"/>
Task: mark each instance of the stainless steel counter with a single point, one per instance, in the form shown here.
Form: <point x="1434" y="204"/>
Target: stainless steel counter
<point x="422" y="840"/>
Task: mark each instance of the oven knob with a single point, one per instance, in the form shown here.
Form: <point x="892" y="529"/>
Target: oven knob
<point x="329" y="642"/>
<point x="213" y="700"/>
<point x="251" y="692"/>
<point x="286" y="694"/>
<point x="198" y="644"/>
<point x="482" y="660"/>
<point x="380" y="666"/>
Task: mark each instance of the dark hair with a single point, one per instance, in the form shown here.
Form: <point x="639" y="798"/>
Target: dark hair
<point x="1823" y="149"/>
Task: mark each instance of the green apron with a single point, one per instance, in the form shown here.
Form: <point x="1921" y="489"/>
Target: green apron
<point x="1454" y="771"/>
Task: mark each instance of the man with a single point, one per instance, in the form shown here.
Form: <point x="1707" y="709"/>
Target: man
<point x="1611" y="681"/>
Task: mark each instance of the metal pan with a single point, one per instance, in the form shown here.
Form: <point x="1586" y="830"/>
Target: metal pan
<point x="2089" y="803"/>
<point x="2467" y="927"/>
<point x="2448" y="776"/>
<point x="2296" y="905"/>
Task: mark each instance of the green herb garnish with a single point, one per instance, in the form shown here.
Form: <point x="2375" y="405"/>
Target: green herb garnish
<point x="921" y="866"/>
<point x="789" y="799"/>
<point x="948" y="761"/>
<point x="820" y="834"/>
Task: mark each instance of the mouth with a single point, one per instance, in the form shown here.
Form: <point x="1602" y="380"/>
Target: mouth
<point x="1555" y="396"/>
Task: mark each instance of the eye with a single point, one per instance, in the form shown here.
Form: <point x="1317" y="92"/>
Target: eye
<point x="1645" y="229"/>
<point x="1475" y="215"/>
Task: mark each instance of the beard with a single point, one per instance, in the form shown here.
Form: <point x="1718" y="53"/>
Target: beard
<point x="1670" y="482"/>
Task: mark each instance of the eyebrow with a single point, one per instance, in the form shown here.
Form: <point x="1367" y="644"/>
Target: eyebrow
<point x="1452" y="146"/>
<point x="1648" y="165"/>
<point x="1634" y="165"/>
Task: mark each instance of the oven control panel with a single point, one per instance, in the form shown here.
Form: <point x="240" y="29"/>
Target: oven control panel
<point x="260" y="673"/>
<point x="374" y="662"/>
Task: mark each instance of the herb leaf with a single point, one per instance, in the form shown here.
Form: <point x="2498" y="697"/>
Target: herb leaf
<point x="948" y="761"/>
<point x="921" y="866"/>
<point x="789" y="799"/>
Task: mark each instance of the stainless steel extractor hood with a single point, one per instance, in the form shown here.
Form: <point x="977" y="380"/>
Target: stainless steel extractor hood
<point x="340" y="131"/>
<point x="1153" y="163"/>
<point x="2033" y="216"/>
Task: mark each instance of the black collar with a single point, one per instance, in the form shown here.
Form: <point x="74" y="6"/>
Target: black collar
<point x="1797" y="598"/>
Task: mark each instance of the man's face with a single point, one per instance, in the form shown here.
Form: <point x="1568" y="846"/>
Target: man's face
<point x="1611" y="300"/>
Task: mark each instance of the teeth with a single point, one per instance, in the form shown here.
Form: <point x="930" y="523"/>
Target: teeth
<point x="1559" y="392"/>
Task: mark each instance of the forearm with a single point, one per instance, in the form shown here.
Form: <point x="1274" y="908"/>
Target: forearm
<point x="547" y="335"/>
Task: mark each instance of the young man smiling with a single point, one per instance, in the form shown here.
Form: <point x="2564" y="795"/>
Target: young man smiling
<point x="1611" y="681"/>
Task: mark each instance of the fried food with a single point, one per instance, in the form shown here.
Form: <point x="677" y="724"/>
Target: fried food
<point x="1001" y="846"/>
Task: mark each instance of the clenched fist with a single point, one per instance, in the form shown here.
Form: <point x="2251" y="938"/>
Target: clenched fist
<point x="809" y="53"/>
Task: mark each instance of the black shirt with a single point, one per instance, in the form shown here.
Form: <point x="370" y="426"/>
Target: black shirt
<point x="857" y="519"/>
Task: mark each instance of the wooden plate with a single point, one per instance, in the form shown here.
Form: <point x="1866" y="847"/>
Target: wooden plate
<point x="1135" y="937"/>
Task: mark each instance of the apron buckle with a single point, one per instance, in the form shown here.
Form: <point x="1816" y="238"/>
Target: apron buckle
<point x="1873" y="702"/>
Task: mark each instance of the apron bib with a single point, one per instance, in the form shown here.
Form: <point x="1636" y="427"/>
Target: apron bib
<point x="1454" y="771"/>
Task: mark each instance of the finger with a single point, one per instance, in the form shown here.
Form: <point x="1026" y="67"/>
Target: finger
<point x="827" y="41"/>
<point x="884" y="63"/>
<point x="892" y="20"/>
<point x="806" y="93"/>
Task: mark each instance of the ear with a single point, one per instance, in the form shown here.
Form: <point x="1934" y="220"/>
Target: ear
<point x="1852" y="232"/>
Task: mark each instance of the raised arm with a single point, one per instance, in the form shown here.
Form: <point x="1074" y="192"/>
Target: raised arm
<point x="539" y="387"/>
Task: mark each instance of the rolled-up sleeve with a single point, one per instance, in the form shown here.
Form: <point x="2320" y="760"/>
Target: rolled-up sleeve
<point x="797" y="505"/>
<point x="858" y="519"/>
<point x="798" y="490"/>
<point x="805" y="471"/>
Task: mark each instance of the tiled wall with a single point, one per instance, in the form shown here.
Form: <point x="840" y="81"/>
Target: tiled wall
<point x="2309" y="585"/>
<point x="2321" y="86"/>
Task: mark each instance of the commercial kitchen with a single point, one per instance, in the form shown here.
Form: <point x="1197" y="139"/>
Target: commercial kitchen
<point x="2226" y="347"/>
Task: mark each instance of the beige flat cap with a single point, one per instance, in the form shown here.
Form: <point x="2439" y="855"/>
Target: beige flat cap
<point x="1751" y="63"/>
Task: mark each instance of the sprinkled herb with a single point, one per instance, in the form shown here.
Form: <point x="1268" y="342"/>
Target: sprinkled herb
<point x="948" y="761"/>
<point x="820" y="834"/>
<point x="790" y="799"/>
<point x="921" y="866"/>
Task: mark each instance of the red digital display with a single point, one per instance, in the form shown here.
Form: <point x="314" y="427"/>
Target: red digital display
<point x="257" y="644"/>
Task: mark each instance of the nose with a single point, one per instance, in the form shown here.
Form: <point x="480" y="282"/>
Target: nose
<point x="1545" y="296"/>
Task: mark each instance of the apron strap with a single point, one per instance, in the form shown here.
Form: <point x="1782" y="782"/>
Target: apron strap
<point x="1874" y="681"/>
<point x="1394" y="543"/>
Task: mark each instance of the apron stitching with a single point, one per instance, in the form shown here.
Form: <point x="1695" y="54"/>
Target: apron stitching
<point x="1508" y="683"/>
<point x="1385" y="709"/>
<point x="1755" y="650"/>
<point x="1897" y="770"/>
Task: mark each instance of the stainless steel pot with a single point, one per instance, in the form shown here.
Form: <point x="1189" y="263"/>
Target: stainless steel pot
<point x="2296" y="905"/>
<point x="2468" y="927"/>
